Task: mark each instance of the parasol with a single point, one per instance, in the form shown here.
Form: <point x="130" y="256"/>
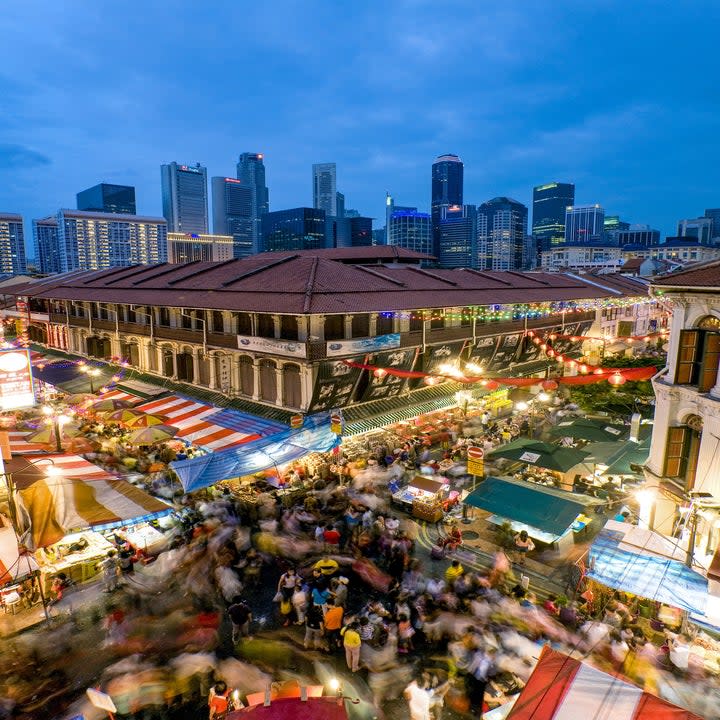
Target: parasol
<point x="46" y="435"/>
<point x="149" y="435"/>
<point x="108" y="404"/>
<point x="144" y="420"/>
<point x="123" y="415"/>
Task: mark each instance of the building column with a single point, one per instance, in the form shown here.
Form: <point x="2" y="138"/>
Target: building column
<point x="347" y="319"/>
<point x="279" y="385"/>
<point x="715" y="392"/>
<point x="256" y="379"/>
<point x="159" y="358"/>
<point x="212" y="359"/>
<point x="145" y="356"/>
<point x="302" y="322"/>
<point x="115" y="346"/>
<point x="196" y="366"/>
<point x="235" y="374"/>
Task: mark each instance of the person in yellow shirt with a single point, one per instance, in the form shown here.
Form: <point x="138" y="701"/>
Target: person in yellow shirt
<point x="352" y="643"/>
<point x="454" y="572"/>
<point x="333" y="623"/>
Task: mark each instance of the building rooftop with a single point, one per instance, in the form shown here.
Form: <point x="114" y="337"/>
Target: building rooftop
<point x="115" y="217"/>
<point x="10" y="216"/>
<point x="702" y="275"/>
<point x="308" y="283"/>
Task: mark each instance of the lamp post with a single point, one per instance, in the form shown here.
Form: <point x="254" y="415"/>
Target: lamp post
<point x="58" y="419"/>
<point x="91" y="372"/>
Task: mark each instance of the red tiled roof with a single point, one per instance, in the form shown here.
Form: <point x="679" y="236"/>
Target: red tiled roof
<point x="705" y="275"/>
<point x="298" y="284"/>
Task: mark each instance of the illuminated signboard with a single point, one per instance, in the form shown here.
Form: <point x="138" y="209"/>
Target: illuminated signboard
<point x="16" y="385"/>
<point x="233" y="180"/>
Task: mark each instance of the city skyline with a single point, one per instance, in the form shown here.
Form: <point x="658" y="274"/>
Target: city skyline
<point x="631" y="145"/>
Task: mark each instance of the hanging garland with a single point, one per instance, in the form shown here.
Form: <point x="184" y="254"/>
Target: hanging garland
<point x="576" y="338"/>
<point x="615" y="376"/>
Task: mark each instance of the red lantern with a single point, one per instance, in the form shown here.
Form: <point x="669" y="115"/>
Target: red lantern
<point x="492" y="385"/>
<point x="598" y="371"/>
<point x="549" y="385"/>
<point x="429" y="380"/>
<point x="616" y="379"/>
<point x="550" y="352"/>
<point x="583" y="368"/>
<point x="536" y="340"/>
<point x="380" y="372"/>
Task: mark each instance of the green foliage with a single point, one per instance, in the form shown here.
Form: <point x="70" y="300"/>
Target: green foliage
<point x="505" y="535"/>
<point x="633" y="396"/>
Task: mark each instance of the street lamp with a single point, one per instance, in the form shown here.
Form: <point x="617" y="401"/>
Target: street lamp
<point x="91" y="372"/>
<point x="58" y="419"/>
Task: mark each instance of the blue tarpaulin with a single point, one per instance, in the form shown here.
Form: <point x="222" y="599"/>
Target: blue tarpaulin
<point x="258" y="455"/>
<point x="657" y="578"/>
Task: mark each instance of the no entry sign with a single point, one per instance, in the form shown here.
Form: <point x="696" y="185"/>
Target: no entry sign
<point x="475" y="460"/>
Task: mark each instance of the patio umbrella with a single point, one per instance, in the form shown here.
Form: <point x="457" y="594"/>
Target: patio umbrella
<point x="540" y="454"/>
<point x="79" y="445"/>
<point x="591" y="430"/>
<point x="108" y="404"/>
<point x="46" y="435"/>
<point x="146" y="420"/>
<point x="123" y="415"/>
<point x="149" y="435"/>
<point x="78" y="398"/>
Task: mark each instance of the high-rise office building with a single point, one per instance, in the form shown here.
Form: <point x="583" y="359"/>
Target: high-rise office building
<point x="612" y="226"/>
<point x="94" y="241"/>
<point x="12" y="244"/>
<point x="294" y="229"/>
<point x="447" y="190"/>
<point x="340" y="204"/>
<point x="549" y="204"/>
<point x="108" y="198"/>
<point x="251" y="172"/>
<point x="699" y="228"/>
<point x="411" y="230"/>
<point x="639" y="235"/>
<point x="390" y="208"/>
<point x="232" y="213"/>
<point x="185" y="198"/>
<point x="714" y="215"/>
<point x="502" y="227"/>
<point x="325" y="188"/>
<point x="185" y="248"/>
<point x="361" y="232"/>
<point x="47" y="249"/>
<point x="584" y="224"/>
<point x="458" y="237"/>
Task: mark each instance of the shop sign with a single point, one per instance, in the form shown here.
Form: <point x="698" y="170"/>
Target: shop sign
<point x="387" y="385"/>
<point x="359" y="345"/>
<point x="529" y="457"/>
<point x="482" y="350"/>
<point x="334" y="384"/>
<point x="336" y="423"/>
<point x="445" y="354"/>
<point x="529" y="351"/>
<point x="16" y="384"/>
<point x="506" y="352"/>
<point x="272" y="347"/>
<point x="296" y="421"/>
<point x="475" y="460"/>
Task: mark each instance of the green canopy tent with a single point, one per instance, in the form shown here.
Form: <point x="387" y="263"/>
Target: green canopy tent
<point x="540" y="454"/>
<point x="591" y="430"/>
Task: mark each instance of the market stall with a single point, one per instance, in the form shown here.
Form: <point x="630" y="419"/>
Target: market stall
<point x="549" y="515"/>
<point x="425" y="497"/>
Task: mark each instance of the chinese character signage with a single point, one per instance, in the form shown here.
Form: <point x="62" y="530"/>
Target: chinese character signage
<point x="271" y="346"/>
<point x="506" y="352"/>
<point x="334" y="384"/>
<point x="16" y="385"/>
<point x="385" y="385"/>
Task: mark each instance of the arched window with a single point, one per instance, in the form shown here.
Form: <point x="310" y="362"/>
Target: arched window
<point x="168" y="364"/>
<point x="129" y="352"/>
<point x="268" y="383"/>
<point x="247" y="376"/>
<point x="699" y="354"/>
<point x="292" y="396"/>
<point x="682" y="451"/>
<point x="185" y="366"/>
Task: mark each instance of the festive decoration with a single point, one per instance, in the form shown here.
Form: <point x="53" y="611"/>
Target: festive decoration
<point x="617" y="379"/>
<point x="549" y="384"/>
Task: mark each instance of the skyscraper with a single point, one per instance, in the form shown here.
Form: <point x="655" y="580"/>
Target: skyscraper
<point x="612" y="227"/>
<point x="294" y="229"/>
<point x="325" y="187"/>
<point x="639" y="235"/>
<point x="502" y="227"/>
<point x="108" y="198"/>
<point x="12" y="244"/>
<point x="47" y="249"/>
<point x="411" y="230"/>
<point x="549" y="204"/>
<point x="251" y="172"/>
<point x="94" y="241"/>
<point x="458" y="237"/>
<point x="232" y="213"/>
<point x="447" y="190"/>
<point x="714" y="215"/>
<point x="700" y="228"/>
<point x="584" y="224"/>
<point x="185" y="198"/>
<point x="340" y="205"/>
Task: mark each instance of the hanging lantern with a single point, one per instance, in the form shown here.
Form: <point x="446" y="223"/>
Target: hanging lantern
<point x="492" y="385"/>
<point x="598" y="371"/>
<point x="430" y="381"/>
<point x="560" y="359"/>
<point x="536" y="340"/>
<point x="550" y="352"/>
<point x="616" y="379"/>
<point x="544" y="346"/>
<point x="549" y="385"/>
<point x="583" y="368"/>
<point x="380" y="372"/>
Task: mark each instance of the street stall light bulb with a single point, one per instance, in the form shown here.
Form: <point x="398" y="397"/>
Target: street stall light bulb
<point x="334" y="684"/>
<point x="543" y="397"/>
<point x="522" y="405"/>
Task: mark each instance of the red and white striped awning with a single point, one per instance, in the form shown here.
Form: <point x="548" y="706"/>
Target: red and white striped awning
<point x="562" y="688"/>
<point x="20" y="446"/>
<point x="117" y="394"/>
<point x="194" y="424"/>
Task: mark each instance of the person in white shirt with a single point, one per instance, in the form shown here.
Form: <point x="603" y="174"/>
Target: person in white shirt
<point x="418" y="699"/>
<point x="680" y="653"/>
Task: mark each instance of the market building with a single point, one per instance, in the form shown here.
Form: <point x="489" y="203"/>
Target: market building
<point x="683" y="470"/>
<point x="273" y="334"/>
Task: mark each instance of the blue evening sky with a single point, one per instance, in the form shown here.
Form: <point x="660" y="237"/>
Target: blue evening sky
<point x="620" y="97"/>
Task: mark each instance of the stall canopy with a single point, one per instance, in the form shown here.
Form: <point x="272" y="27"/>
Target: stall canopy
<point x="322" y="708"/>
<point x="547" y="509"/>
<point x="540" y="454"/>
<point x="62" y="494"/>
<point x="15" y="562"/>
<point x="644" y="563"/>
<point x="588" y="429"/>
<point x="205" y="425"/>
<point x="254" y="457"/>
<point x="563" y="688"/>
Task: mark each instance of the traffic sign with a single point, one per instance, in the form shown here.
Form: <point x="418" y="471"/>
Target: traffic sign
<point x="475" y="453"/>
<point x="336" y="419"/>
<point x="475" y="460"/>
<point x="296" y="421"/>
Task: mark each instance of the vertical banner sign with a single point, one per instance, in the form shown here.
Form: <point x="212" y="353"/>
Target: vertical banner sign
<point x="23" y="322"/>
<point x="16" y="384"/>
<point x="482" y="350"/>
<point x="385" y="385"/>
<point x="445" y="354"/>
<point x="529" y="351"/>
<point x="336" y="425"/>
<point x="506" y="352"/>
<point x="334" y="384"/>
<point x="475" y="460"/>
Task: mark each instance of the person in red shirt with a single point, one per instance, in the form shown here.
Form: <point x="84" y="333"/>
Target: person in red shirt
<point x="331" y="537"/>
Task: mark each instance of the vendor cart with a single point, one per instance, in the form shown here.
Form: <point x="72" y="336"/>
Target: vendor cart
<point x="423" y="497"/>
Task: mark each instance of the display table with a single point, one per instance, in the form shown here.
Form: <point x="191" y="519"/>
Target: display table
<point x="144" y="538"/>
